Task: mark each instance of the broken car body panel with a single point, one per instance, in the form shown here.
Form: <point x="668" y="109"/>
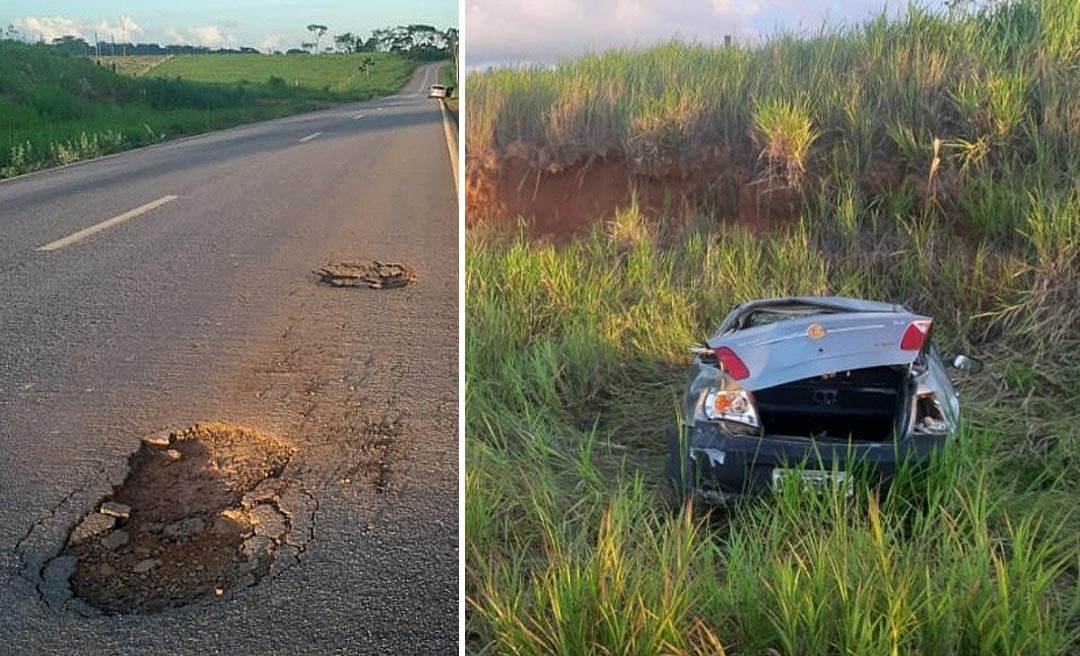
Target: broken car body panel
<point x="836" y="337"/>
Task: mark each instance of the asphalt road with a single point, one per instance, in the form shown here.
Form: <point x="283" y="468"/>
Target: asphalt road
<point x="204" y="307"/>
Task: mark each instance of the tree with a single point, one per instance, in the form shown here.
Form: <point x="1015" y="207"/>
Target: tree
<point x="72" y="45"/>
<point x="318" y="31"/>
<point x="371" y="44"/>
<point x="451" y="37"/>
<point x="346" y="42"/>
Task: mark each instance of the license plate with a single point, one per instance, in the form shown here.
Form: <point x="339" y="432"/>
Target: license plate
<point x="814" y="479"/>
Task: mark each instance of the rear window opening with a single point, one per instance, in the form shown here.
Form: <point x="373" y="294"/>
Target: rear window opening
<point x="774" y="314"/>
<point x="862" y="405"/>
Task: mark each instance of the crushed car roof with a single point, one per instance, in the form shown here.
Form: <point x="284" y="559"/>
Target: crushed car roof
<point x="845" y="334"/>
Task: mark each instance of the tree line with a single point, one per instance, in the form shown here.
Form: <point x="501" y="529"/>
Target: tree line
<point x="418" y="41"/>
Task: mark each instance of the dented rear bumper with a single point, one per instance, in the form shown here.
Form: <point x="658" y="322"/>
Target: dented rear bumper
<point x="720" y="466"/>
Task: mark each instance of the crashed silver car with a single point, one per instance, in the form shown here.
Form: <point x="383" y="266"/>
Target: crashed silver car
<point x="806" y="387"/>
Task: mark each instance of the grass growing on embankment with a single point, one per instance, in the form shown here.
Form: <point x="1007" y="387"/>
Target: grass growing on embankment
<point x="575" y="358"/>
<point x="959" y="102"/>
<point x="330" y="73"/>
<point x="57" y="109"/>
<point x="575" y="355"/>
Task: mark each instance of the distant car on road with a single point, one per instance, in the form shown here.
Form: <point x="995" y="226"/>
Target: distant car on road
<point x="806" y="386"/>
<point x="439" y="91"/>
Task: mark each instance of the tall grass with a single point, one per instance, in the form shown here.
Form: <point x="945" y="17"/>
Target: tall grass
<point x="574" y="363"/>
<point x="958" y="101"/>
<point x="954" y="76"/>
<point x="934" y="161"/>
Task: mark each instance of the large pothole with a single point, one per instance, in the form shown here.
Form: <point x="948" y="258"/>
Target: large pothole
<point x="197" y="515"/>
<point x="374" y="274"/>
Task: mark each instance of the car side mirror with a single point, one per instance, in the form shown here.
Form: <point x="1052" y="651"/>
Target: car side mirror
<point x="967" y="364"/>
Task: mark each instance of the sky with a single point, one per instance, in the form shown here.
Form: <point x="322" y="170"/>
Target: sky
<point x="264" y="24"/>
<point x="498" y="32"/>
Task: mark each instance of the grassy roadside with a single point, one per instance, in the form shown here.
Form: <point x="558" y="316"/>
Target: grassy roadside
<point x="57" y="109"/>
<point x="574" y="361"/>
<point x="448" y="76"/>
<point x="929" y="162"/>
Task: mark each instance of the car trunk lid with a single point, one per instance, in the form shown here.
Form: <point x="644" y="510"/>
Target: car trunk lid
<point x="821" y="344"/>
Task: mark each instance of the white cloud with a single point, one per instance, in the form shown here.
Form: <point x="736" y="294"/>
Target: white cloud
<point x="124" y="30"/>
<point x="174" y="37"/>
<point x="208" y="35"/>
<point x="49" y="27"/>
<point x="272" y="42"/>
<point x="516" y="30"/>
<point x="507" y="31"/>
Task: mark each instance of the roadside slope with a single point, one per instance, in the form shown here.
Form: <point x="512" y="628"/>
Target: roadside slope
<point x="60" y="109"/>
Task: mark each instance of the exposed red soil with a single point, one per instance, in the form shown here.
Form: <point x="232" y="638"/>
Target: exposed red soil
<point x="565" y="204"/>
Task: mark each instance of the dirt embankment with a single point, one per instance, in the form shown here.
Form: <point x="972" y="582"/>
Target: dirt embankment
<point x="565" y="203"/>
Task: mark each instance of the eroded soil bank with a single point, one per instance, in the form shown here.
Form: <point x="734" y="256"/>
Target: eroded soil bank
<point x="563" y="203"/>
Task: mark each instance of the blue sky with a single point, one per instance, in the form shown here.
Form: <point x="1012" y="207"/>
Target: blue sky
<point x="261" y="24"/>
<point x="536" y="31"/>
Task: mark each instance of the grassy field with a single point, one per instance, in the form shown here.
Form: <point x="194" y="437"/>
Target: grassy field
<point x="335" y="73"/>
<point x="57" y="109"/>
<point x="132" y="65"/>
<point x="934" y="163"/>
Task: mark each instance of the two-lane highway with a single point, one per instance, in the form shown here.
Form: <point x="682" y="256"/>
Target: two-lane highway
<point x="172" y="284"/>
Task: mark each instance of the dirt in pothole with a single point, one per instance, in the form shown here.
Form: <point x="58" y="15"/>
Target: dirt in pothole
<point x="196" y="516"/>
<point x="374" y="274"/>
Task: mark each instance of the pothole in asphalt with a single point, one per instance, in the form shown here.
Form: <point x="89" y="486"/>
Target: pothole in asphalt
<point x="199" y="514"/>
<point x="373" y="274"/>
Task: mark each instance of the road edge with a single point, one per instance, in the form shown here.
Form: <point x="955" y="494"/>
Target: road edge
<point x="450" y="128"/>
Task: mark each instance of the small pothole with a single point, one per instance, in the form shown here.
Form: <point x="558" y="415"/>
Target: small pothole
<point x="197" y="515"/>
<point x="373" y="274"/>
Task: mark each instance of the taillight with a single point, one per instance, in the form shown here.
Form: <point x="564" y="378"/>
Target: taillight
<point x="732" y="364"/>
<point x="915" y="335"/>
<point x="733" y="405"/>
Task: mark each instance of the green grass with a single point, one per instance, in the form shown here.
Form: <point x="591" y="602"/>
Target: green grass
<point x="575" y="354"/>
<point x="448" y="75"/>
<point x="334" y="73"/>
<point x="57" y="109"/>
<point x="132" y="65"/>
<point x="574" y="363"/>
<point x="997" y="91"/>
